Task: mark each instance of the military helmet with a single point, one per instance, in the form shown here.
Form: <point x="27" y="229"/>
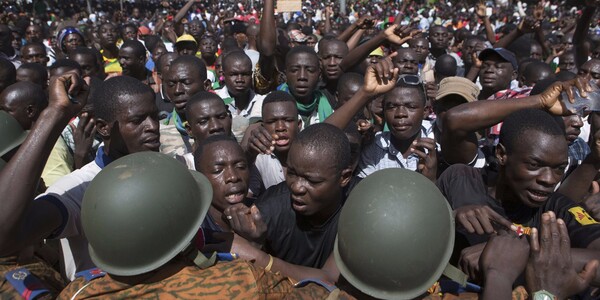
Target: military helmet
<point x="142" y="210"/>
<point x="11" y="133"/>
<point x="395" y="235"/>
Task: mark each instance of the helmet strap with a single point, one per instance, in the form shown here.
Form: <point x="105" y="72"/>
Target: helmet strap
<point x="199" y="258"/>
<point x="455" y="275"/>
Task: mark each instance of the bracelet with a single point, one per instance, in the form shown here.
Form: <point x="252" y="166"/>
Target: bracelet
<point x="270" y="264"/>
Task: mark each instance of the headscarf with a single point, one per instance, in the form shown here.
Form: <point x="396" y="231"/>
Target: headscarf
<point x="64" y="33"/>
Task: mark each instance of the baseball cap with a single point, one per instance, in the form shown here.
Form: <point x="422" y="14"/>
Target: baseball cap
<point x="297" y="36"/>
<point x="143" y="30"/>
<point x="505" y="54"/>
<point x="186" y="38"/>
<point x="458" y="86"/>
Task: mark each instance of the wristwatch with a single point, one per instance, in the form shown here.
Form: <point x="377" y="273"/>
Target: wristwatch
<point x="543" y="295"/>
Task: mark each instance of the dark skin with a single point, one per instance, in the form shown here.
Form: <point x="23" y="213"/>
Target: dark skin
<point x="89" y="65"/>
<point x="187" y="48"/>
<point x="331" y="54"/>
<point x="108" y="35"/>
<point x="279" y="128"/>
<point x="31" y="75"/>
<point x="72" y="41"/>
<point x="33" y="33"/>
<point x="421" y="47"/>
<point x="21" y="100"/>
<point x="407" y="61"/>
<point x="591" y="71"/>
<point x="133" y="63"/>
<point x="459" y="140"/>
<point x="550" y="266"/>
<point x="208" y="47"/>
<point x="237" y="73"/>
<point x="302" y="72"/>
<point x="34" y="53"/>
<point x="224" y="165"/>
<point x="21" y="175"/>
<point x="495" y="75"/>
<point x="6" y="41"/>
<point x="180" y="83"/>
<point x="528" y="175"/>
<point x="206" y="118"/>
<point x="439" y="37"/>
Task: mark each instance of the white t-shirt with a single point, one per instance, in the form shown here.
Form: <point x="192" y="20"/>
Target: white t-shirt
<point x="67" y="194"/>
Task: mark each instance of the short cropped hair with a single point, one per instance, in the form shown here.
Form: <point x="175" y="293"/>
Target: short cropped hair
<point x="108" y="95"/>
<point x="328" y="140"/>
<point x="516" y="124"/>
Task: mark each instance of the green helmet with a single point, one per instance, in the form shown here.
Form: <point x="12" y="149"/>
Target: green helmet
<point x="142" y="210"/>
<point x="11" y="132"/>
<point x="395" y="235"/>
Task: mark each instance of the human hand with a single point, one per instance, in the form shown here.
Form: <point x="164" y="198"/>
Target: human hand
<point x="591" y="202"/>
<point x="469" y="261"/>
<point x="538" y="11"/>
<point x="480" y="11"/>
<point x="67" y="93"/>
<point x="365" y="22"/>
<point x="427" y="161"/>
<point x="551" y="98"/>
<point x="479" y="218"/>
<point x="261" y="142"/>
<point x="400" y="34"/>
<point x="477" y="63"/>
<point x="550" y="267"/>
<point x="505" y="255"/>
<point x="557" y="51"/>
<point x="381" y="77"/>
<point x="83" y="137"/>
<point x="247" y="222"/>
<point x="528" y="25"/>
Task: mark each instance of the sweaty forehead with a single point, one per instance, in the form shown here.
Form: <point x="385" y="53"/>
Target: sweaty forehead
<point x="405" y="54"/>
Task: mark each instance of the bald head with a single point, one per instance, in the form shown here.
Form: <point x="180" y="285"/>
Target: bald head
<point x="24" y="101"/>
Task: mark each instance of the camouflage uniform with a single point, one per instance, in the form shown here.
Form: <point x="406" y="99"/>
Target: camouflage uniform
<point x="237" y="279"/>
<point x="49" y="278"/>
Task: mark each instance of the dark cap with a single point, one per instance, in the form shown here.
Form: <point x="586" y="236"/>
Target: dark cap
<point x="505" y="54"/>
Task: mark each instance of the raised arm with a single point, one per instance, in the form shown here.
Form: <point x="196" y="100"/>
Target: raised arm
<point x="459" y="142"/>
<point x="394" y="34"/>
<point x="23" y="221"/>
<point x="583" y="25"/>
<point x="379" y="79"/>
<point x="183" y="11"/>
<point x="267" y="41"/>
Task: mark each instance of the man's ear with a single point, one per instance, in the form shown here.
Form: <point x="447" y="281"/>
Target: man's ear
<point x="514" y="75"/>
<point x="103" y="128"/>
<point x="501" y="154"/>
<point x="345" y="177"/>
<point x="207" y="85"/>
<point x="188" y="129"/>
<point x="31" y="111"/>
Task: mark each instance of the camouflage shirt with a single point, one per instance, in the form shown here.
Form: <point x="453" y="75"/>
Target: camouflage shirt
<point x="50" y="278"/>
<point x="226" y="280"/>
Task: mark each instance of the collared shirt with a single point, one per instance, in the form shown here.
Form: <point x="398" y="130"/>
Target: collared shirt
<point x="240" y="120"/>
<point x="254" y="108"/>
<point x="382" y="154"/>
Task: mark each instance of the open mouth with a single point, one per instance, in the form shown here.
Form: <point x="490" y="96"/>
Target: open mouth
<point x="538" y="196"/>
<point x="235" y="197"/>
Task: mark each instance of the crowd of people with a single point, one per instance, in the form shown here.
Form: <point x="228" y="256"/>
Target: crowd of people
<point x="194" y="149"/>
